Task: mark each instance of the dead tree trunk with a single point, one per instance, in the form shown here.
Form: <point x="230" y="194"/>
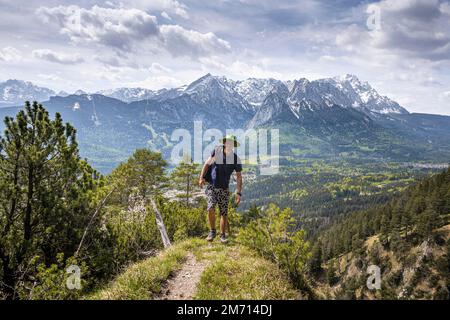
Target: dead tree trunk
<point x="160" y="224"/>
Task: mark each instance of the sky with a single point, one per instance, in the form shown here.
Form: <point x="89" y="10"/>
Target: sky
<point x="401" y="47"/>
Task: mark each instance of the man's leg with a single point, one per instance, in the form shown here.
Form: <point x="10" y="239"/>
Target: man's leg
<point x="212" y="218"/>
<point x="212" y="223"/>
<point x="223" y="223"/>
<point x="223" y="208"/>
<point x="211" y="200"/>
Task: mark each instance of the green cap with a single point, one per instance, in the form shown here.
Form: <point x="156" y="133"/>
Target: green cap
<point x="232" y="138"/>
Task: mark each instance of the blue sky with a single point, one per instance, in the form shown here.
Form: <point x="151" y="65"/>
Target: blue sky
<point x="94" y="45"/>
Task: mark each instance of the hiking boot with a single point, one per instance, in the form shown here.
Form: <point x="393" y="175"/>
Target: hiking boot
<point x="223" y="238"/>
<point x="211" y="235"/>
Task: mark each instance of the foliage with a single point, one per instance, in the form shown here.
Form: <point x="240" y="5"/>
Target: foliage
<point x="402" y="222"/>
<point x="184" y="179"/>
<point x="46" y="194"/>
<point x="274" y="237"/>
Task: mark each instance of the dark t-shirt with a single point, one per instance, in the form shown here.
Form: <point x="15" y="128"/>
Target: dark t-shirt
<point x="222" y="168"/>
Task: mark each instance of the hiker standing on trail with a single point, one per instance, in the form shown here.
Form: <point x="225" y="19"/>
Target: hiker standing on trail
<point x="217" y="171"/>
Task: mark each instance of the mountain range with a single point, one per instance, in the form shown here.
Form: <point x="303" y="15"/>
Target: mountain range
<point x="332" y="117"/>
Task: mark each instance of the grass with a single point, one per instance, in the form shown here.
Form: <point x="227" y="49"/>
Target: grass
<point x="236" y="273"/>
<point x="232" y="272"/>
<point x="143" y="280"/>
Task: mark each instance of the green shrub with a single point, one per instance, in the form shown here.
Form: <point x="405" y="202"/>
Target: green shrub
<point x="274" y="236"/>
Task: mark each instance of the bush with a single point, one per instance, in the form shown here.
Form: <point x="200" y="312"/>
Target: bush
<point x="274" y="236"/>
<point x="52" y="283"/>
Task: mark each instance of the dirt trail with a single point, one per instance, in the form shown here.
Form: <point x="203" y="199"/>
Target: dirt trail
<point x="183" y="284"/>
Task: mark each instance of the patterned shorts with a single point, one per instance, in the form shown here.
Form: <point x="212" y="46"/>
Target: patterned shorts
<point x="217" y="196"/>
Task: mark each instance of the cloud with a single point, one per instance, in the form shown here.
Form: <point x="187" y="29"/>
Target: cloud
<point x="127" y="29"/>
<point x="408" y="28"/>
<point x="114" y="27"/>
<point x="158" y="69"/>
<point x="181" y="42"/>
<point x="171" y="6"/>
<point x="9" y="54"/>
<point x="157" y="82"/>
<point x="57" y="57"/>
<point x="165" y="15"/>
<point x="51" y="77"/>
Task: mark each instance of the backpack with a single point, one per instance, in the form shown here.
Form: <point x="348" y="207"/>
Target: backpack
<point x="208" y="174"/>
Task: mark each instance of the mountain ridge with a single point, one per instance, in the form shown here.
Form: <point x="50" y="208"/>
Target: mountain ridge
<point x="252" y="90"/>
<point x="319" y="117"/>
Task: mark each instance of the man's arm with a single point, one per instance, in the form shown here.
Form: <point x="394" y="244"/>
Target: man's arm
<point x="238" y="187"/>
<point x="208" y="162"/>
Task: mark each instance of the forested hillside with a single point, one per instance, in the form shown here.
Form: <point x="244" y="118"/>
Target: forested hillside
<point x="58" y="214"/>
<point x="408" y="238"/>
<point x="131" y="233"/>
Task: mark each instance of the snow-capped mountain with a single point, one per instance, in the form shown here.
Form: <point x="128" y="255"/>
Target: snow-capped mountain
<point x="365" y="96"/>
<point x="273" y="109"/>
<point x="16" y="92"/>
<point x="255" y="91"/>
<point x="129" y="94"/>
<point x="62" y="93"/>
<point x="346" y="91"/>
<point x="326" y="117"/>
<point x="80" y="92"/>
<point x="219" y="89"/>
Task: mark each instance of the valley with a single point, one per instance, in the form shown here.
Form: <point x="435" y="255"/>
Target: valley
<point x="350" y="159"/>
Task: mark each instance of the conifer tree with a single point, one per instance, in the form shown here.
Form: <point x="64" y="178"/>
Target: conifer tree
<point x="44" y="192"/>
<point x="331" y="273"/>
<point x="315" y="265"/>
<point x="145" y="172"/>
<point x="184" y="178"/>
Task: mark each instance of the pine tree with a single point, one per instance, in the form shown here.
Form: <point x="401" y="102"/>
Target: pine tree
<point x="406" y="222"/>
<point x="44" y="192"/>
<point x="145" y="172"/>
<point x="395" y="223"/>
<point x="331" y="273"/>
<point x="426" y="222"/>
<point x="184" y="179"/>
<point x="315" y="264"/>
<point x="384" y="228"/>
<point x="251" y="214"/>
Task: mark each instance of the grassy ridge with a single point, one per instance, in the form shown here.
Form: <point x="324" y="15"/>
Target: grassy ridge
<point x="238" y="273"/>
<point x="232" y="272"/>
<point x="141" y="281"/>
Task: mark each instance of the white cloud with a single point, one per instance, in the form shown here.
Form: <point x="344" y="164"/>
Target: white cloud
<point x="9" y="54"/>
<point x="408" y="28"/>
<point x="51" y="77"/>
<point x="114" y="27"/>
<point x="157" y="68"/>
<point x="171" y="6"/>
<point x="165" y="15"/>
<point x="128" y="29"/>
<point x="157" y="82"/>
<point x="181" y="42"/>
<point x="57" y="57"/>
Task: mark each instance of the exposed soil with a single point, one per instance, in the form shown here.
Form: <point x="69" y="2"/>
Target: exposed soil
<point x="183" y="285"/>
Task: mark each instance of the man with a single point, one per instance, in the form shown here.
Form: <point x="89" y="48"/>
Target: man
<point x="217" y="171"/>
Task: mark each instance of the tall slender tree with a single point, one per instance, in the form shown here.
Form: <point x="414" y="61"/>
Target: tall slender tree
<point x="145" y="172"/>
<point x="183" y="179"/>
<point x="44" y="192"/>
